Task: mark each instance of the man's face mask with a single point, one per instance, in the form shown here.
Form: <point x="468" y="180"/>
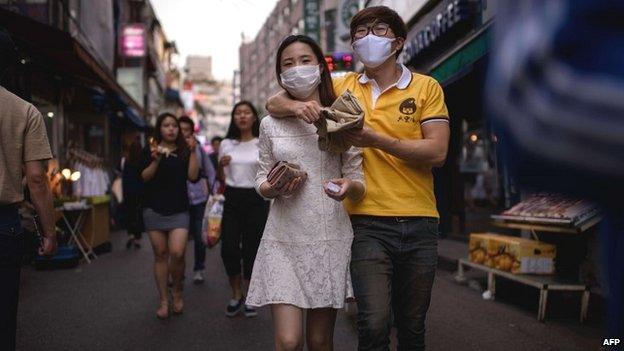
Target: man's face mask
<point x="373" y="50"/>
<point x="301" y="81"/>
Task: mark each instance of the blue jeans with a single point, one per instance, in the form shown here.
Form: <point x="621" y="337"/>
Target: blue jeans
<point x="11" y="246"/>
<point x="393" y="264"/>
<point x="195" y="230"/>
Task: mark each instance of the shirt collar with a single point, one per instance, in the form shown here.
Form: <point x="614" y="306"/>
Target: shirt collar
<point x="402" y="83"/>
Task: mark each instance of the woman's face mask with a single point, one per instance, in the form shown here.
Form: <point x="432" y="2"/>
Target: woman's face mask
<point x="373" y="50"/>
<point x="301" y="81"/>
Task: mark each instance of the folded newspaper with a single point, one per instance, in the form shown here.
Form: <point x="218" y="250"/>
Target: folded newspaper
<point x="344" y="114"/>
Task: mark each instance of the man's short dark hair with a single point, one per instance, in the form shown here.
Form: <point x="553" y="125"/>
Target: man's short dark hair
<point x="380" y="14"/>
<point x="8" y="52"/>
<point x="188" y="120"/>
<point x="217" y="138"/>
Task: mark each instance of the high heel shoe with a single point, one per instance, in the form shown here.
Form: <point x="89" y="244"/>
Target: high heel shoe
<point x="163" y="311"/>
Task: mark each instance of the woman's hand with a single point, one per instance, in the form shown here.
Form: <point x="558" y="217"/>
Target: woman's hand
<point x="225" y="160"/>
<point x="155" y="153"/>
<point x="345" y="185"/>
<point x="293" y="186"/>
<point x="286" y="190"/>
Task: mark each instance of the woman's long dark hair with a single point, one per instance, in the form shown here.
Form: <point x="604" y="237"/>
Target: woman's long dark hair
<point x="326" y="89"/>
<point x="233" y="131"/>
<point x="183" y="150"/>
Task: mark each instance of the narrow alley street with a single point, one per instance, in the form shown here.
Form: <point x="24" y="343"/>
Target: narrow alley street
<point x="111" y="303"/>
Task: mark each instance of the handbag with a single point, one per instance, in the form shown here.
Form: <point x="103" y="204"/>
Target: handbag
<point x="211" y="224"/>
<point x="344" y="114"/>
<point x="283" y="173"/>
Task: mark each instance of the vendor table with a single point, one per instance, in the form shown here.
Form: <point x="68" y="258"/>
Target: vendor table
<point x="75" y="228"/>
<point x="543" y="283"/>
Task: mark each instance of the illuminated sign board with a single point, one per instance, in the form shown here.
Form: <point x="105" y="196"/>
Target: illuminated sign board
<point x="340" y="61"/>
<point x="133" y="40"/>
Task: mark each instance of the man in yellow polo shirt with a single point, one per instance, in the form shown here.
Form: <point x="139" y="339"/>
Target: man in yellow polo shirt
<point x="406" y="133"/>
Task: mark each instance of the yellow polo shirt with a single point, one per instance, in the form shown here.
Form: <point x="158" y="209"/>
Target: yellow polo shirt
<point x="395" y="187"/>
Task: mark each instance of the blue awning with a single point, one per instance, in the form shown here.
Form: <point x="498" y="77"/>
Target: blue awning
<point x="132" y="115"/>
<point x="112" y="104"/>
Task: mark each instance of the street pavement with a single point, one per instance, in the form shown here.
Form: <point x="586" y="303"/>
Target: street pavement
<point x="111" y="303"/>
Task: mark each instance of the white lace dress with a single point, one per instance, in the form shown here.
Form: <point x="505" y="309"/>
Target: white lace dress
<point x="304" y="255"/>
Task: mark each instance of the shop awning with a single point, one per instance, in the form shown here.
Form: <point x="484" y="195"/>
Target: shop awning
<point x="58" y="53"/>
<point x="112" y="105"/>
<point x="132" y="115"/>
<point x="460" y="60"/>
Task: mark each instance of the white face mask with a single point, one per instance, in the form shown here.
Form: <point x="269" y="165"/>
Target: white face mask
<point x="373" y="50"/>
<point x="300" y="81"/>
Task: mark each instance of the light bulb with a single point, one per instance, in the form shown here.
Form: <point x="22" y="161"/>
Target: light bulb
<point x="66" y="173"/>
<point x="75" y="176"/>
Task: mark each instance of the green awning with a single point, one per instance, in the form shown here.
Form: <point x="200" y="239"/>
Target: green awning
<point x="464" y="57"/>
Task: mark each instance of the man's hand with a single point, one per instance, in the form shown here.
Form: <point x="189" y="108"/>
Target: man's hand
<point x="307" y="111"/>
<point x="364" y="137"/>
<point x="48" y="246"/>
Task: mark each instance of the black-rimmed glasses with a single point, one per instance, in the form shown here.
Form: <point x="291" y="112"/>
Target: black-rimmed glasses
<point x="378" y="29"/>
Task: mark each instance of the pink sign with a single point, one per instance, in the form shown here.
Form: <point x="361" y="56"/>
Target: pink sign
<point x="133" y="40"/>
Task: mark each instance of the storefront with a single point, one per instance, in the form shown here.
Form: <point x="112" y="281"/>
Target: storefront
<point x="86" y="112"/>
<point x="449" y="40"/>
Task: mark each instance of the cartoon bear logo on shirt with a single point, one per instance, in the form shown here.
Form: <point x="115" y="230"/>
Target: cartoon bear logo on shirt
<point x="408" y="106"/>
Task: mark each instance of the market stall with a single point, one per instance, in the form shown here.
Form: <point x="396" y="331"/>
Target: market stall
<point x="535" y="261"/>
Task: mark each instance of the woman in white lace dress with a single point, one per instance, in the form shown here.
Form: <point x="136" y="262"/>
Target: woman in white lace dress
<point x="303" y="259"/>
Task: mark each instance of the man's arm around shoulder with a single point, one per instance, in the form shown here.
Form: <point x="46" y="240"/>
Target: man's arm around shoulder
<point x="282" y="105"/>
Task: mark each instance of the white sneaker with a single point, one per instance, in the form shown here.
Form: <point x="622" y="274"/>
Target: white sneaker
<point x="198" y="278"/>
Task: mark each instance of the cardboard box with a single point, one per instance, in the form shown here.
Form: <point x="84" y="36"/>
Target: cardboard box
<point x="512" y="254"/>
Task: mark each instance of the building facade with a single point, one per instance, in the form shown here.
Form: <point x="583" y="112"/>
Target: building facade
<point x="95" y="69"/>
<point x="327" y="21"/>
<point x="207" y="101"/>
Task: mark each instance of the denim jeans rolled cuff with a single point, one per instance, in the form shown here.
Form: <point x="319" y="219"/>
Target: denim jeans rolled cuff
<point x="393" y="267"/>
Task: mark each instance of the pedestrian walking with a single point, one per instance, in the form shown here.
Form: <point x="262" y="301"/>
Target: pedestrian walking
<point x="244" y="211"/>
<point x="406" y="133"/>
<point x="132" y="189"/>
<point x="303" y="260"/>
<point x="166" y="164"/>
<point x="198" y="196"/>
<point x="23" y="149"/>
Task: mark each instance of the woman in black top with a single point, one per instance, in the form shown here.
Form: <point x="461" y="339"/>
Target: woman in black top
<point x="166" y="165"/>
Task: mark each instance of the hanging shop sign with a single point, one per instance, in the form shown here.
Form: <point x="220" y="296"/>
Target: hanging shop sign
<point x="312" y="19"/>
<point x="133" y="40"/>
<point x="439" y="26"/>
